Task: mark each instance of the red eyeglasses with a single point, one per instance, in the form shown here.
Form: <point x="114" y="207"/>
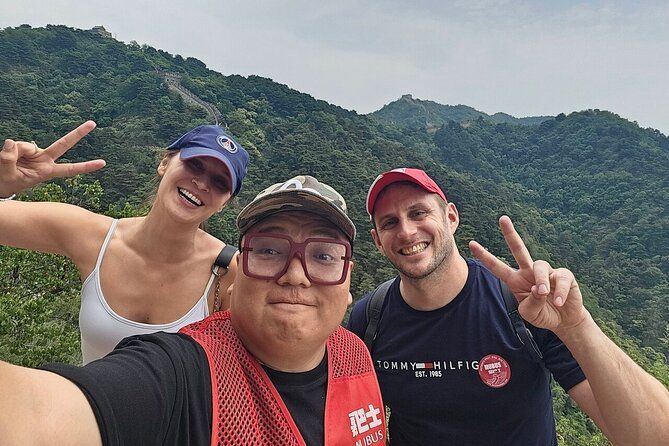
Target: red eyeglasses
<point x="266" y="256"/>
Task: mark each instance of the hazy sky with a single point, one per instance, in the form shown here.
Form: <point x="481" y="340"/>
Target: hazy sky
<point x="520" y="57"/>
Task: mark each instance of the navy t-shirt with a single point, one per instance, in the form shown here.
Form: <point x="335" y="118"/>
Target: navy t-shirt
<point x="458" y="375"/>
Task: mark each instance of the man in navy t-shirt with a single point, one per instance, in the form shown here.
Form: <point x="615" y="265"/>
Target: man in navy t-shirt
<point x="451" y="367"/>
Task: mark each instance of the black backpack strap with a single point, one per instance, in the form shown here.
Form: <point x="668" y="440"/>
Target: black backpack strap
<point x="373" y="312"/>
<point x="524" y="334"/>
<point x="225" y="256"/>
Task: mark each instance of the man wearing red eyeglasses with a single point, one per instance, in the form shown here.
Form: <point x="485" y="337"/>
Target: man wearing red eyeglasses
<point x="276" y="370"/>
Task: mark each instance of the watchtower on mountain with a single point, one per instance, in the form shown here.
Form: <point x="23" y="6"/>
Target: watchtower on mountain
<point x="100" y="30"/>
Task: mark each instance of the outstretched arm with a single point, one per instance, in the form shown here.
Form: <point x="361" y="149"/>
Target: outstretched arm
<point x="42" y="408"/>
<point x="634" y="406"/>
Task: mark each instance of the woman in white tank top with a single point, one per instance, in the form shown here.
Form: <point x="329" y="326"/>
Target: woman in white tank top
<point x="157" y="271"/>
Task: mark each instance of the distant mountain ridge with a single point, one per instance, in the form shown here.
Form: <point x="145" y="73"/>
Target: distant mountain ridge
<point x="410" y="112"/>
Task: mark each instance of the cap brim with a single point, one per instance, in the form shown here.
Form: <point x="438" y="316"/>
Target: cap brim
<point x="198" y="152"/>
<point x="294" y="200"/>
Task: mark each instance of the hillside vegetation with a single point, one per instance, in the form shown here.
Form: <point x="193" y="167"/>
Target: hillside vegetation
<point x="587" y="191"/>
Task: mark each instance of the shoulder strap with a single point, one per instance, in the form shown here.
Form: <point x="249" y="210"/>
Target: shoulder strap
<point x="225" y="256"/>
<point x="523" y="333"/>
<point x="222" y="261"/>
<point x="105" y="243"/>
<point x="373" y="312"/>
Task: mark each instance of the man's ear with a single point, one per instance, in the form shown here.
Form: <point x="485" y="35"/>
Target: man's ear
<point x="377" y="241"/>
<point x="452" y="216"/>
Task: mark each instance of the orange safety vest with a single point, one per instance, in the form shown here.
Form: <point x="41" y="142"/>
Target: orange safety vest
<point x="248" y="410"/>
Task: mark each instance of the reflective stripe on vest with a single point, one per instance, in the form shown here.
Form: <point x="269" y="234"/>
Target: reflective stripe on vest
<point x="247" y="408"/>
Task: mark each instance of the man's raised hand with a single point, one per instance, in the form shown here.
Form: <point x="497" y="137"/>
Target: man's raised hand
<point x="547" y="297"/>
<point x="23" y="164"/>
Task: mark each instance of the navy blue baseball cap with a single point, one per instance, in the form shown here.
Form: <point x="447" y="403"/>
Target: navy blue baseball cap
<point x="213" y="141"/>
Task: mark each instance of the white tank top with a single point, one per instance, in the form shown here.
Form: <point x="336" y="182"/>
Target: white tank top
<point x="102" y="328"/>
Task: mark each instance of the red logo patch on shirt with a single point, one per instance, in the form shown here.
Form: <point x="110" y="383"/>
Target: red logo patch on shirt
<point x="494" y="371"/>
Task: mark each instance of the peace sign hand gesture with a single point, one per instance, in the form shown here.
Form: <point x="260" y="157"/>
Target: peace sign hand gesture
<point x="547" y="297"/>
<point x="23" y="164"/>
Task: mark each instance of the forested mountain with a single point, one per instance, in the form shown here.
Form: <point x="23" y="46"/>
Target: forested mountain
<point x="410" y="112"/>
<point x="587" y="191"/>
<point x="603" y="183"/>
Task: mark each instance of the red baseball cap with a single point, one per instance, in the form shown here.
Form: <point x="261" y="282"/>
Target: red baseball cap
<point x="415" y="176"/>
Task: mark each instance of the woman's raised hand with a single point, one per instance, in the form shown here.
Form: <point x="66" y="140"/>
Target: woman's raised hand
<point x="23" y="164"/>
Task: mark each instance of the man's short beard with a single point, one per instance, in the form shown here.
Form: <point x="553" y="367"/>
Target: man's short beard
<point x="438" y="263"/>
